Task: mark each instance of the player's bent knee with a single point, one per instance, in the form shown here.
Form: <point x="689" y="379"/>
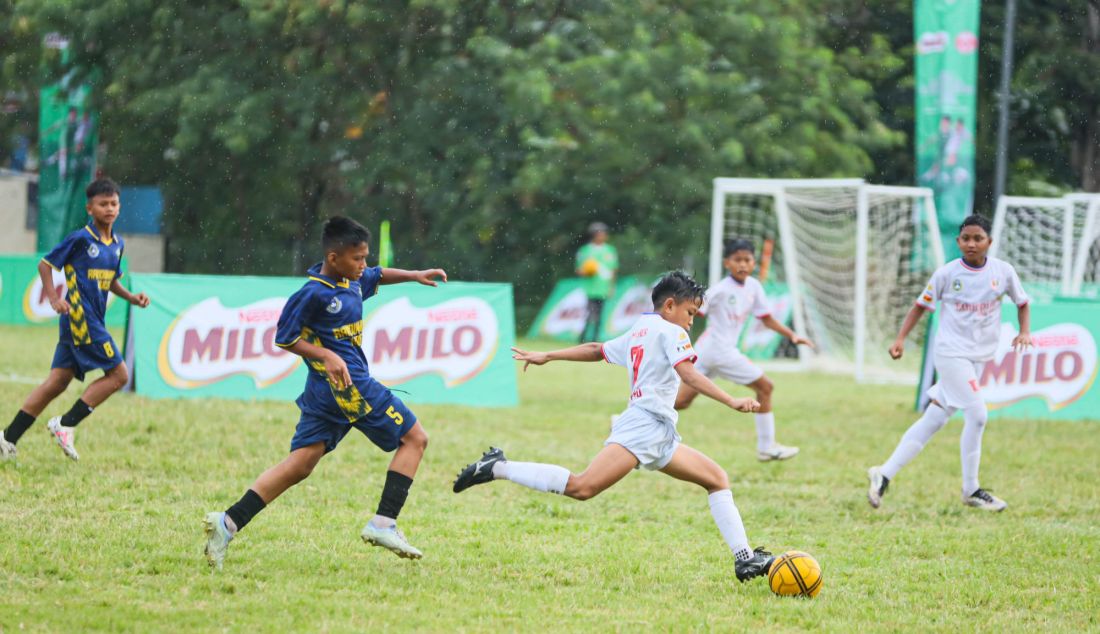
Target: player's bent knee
<point x="417" y="438"/>
<point x="765" y="387"/>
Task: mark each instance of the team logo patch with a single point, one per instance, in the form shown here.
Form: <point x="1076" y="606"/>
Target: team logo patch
<point x="732" y="300"/>
<point x="956" y="285"/>
<point x="995" y="283"/>
<point x="93" y="250"/>
<point x="334" y="306"/>
<point x="926" y="297"/>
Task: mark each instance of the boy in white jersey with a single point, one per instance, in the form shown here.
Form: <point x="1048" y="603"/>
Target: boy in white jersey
<point x="657" y="351"/>
<point x="969" y="290"/>
<point x="727" y="307"/>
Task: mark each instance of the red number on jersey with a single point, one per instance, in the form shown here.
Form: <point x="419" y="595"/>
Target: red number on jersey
<point x="635" y="360"/>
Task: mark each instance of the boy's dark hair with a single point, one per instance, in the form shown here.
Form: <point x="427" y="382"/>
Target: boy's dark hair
<point x="679" y="286"/>
<point x="101" y="187"/>
<point x="340" y="233"/>
<point x="976" y="220"/>
<point x="737" y="244"/>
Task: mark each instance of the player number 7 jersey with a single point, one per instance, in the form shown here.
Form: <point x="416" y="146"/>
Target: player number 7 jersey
<point x="651" y="350"/>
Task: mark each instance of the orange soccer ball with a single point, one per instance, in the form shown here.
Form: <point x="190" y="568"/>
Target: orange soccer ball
<point x="795" y="574"/>
<point x="589" y="267"/>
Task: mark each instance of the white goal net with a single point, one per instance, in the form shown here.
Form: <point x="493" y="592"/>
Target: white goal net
<point x="1085" y="277"/>
<point x="852" y="256"/>
<point x="1036" y="236"/>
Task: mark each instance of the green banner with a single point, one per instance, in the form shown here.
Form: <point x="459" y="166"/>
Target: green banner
<point x="757" y="340"/>
<point x="213" y="336"/>
<point x="946" y="33"/>
<point x="1055" y="378"/>
<point x="22" y="300"/>
<point x="563" y="314"/>
<point x="67" y="139"/>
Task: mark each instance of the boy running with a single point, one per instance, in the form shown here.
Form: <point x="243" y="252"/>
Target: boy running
<point x="323" y="323"/>
<point x="727" y="307"/>
<point x="91" y="259"/>
<point x="969" y="290"/>
<point x="658" y="353"/>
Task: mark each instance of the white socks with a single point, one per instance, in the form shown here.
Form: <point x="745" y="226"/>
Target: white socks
<point x="970" y="446"/>
<point x="935" y="417"/>
<point x="728" y="519"/>
<point x="548" y="478"/>
<point x="765" y="431"/>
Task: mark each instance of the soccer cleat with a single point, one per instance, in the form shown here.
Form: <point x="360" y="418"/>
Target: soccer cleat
<point x="479" y="472"/>
<point x="217" y="539"/>
<point x="65" y="437"/>
<point x="982" y="499"/>
<point x="777" y="452"/>
<point x="877" y="487"/>
<point x="391" y="539"/>
<point x="758" y="566"/>
<point x="7" y="449"/>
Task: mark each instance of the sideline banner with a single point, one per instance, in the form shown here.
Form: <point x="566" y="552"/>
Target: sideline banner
<point x="1055" y="378"/>
<point x="22" y="300"/>
<point x="562" y="316"/>
<point x="757" y="340"/>
<point x="214" y="336"/>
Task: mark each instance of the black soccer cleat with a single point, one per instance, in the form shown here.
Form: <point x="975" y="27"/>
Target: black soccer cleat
<point x="479" y="472"/>
<point x="758" y="566"/>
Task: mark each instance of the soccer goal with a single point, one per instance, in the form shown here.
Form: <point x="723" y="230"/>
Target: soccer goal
<point x="852" y="256"/>
<point x="1085" y="278"/>
<point x="1036" y="236"/>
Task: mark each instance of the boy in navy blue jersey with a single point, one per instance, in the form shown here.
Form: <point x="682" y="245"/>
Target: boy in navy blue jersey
<point x="323" y="323"/>
<point x="91" y="259"/>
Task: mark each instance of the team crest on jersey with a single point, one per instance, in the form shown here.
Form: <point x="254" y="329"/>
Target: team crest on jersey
<point x="995" y="283"/>
<point x="732" y="300"/>
<point x="93" y="250"/>
<point x="334" y="306"/>
<point x="956" y="286"/>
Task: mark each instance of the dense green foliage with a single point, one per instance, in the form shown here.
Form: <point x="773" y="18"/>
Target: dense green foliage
<point x="114" y="542"/>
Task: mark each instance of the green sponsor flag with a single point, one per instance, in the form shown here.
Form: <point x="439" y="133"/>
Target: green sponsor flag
<point x="67" y="138"/>
<point x="385" y="250"/>
<point x="946" y="33"/>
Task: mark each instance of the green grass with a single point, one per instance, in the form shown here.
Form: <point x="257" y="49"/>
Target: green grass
<point x="114" y="542"/>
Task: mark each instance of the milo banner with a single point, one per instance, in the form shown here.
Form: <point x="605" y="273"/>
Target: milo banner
<point x="1055" y="378"/>
<point x="946" y="33"/>
<point x="564" y="313"/>
<point x="22" y="300"/>
<point x="214" y="336"/>
<point x="67" y="139"/>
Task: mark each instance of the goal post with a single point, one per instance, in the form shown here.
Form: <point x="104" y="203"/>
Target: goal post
<point x="1036" y="236"/>
<point x="853" y="256"/>
<point x="1086" y="257"/>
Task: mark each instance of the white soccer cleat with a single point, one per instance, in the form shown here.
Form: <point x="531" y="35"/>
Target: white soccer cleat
<point x="65" y="437"/>
<point x="7" y="449"/>
<point x="217" y="539"/>
<point x="391" y="539"/>
<point x="877" y="486"/>
<point x="777" y="452"/>
<point x="984" y="500"/>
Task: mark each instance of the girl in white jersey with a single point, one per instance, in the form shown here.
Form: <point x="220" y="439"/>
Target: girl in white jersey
<point x="657" y="350"/>
<point x="728" y="307"/>
<point x="969" y="290"/>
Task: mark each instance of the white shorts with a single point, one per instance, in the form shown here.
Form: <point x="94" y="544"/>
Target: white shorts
<point x="956" y="383"/>
<point x="650" y="439"/>
<point x="730" y="364"/>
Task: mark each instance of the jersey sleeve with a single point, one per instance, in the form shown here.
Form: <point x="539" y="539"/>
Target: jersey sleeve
<point x="760" y="307"/>
<point x="582" y="255"/>
<point x="932" y="292"/>
<point x="368" y="284"/>
<point x="59" y="256"/>
<point x="708" y="298"/>
<point x="676" y="345"/>
<point x="1015" y="290"/>
<point x="296" y="313"/>
<point x="617" y="350"/>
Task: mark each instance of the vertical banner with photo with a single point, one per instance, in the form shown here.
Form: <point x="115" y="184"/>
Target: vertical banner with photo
<point x="946" y="33"/>
<point x="67" y="138"/>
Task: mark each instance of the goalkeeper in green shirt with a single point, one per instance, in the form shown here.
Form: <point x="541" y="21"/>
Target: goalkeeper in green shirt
<point x="597" y="263"/>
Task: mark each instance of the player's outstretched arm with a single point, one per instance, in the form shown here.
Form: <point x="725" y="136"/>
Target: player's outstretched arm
<point x="907" y="325"/>
<point x="1023" y="315"/>
<point x="583" y="352"/>
<point x="335" y="367"/>
<point x="141" y="300"/>
<point x="781" y="328"/>
<point x="695" y="380"/>
<point x="427" y="277"/>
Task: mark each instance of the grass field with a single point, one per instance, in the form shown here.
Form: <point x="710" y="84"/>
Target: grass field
<point x="113" y="543"/>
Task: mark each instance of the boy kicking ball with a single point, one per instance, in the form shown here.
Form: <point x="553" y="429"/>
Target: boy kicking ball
<point x="658" y="353"/>
<point x="969" y="290"/>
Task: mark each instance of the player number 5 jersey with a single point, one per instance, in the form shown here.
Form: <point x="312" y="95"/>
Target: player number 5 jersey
<point x="651" y="350"/>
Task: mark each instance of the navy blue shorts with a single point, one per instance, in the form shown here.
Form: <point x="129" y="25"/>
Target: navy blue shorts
<point x="385" y="425"/>
<point x="102" y="355"/>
